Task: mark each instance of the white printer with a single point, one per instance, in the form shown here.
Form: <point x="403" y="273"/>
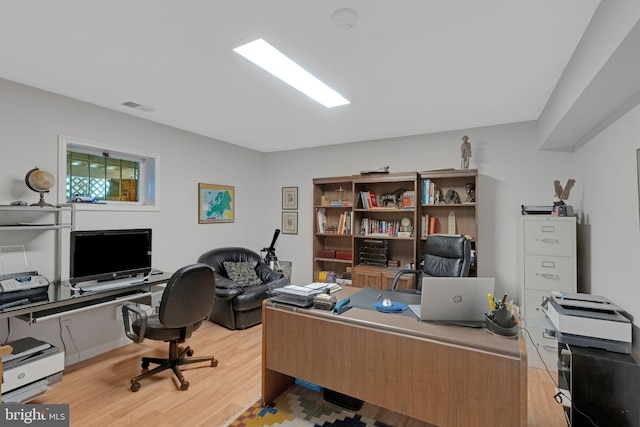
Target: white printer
<point x="29" y="370"/>
<point x="589" y="321"/>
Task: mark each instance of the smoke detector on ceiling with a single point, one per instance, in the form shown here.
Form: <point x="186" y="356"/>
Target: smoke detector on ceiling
<point x="344" y="19"/>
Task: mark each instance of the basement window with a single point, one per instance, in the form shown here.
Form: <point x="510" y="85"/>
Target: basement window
<point x="114" y="176"/>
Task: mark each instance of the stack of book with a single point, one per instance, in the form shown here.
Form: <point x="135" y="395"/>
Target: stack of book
<point x="369" y="199"/>
<point x="428" y="225"/>
<point x="344" y="224"/>
<point x="428" y="192"/>
<point x="373" y="227"/>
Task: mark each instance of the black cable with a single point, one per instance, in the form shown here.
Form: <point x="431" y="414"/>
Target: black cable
<point x="559" y="394"/>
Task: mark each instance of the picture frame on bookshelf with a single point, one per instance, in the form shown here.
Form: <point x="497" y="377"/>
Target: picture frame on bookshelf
<point x="289" y="198"/>
<point x="215" y="203"/>
<point x="289" y="222"/>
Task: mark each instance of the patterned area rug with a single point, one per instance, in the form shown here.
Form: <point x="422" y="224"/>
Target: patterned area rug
<point x="300" y="407"/>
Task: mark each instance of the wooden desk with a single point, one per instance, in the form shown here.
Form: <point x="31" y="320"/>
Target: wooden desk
<point x="444" y="375"/>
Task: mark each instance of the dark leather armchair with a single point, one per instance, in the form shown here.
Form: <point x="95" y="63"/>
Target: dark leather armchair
<point x="237" y="306"/>
<point x="186" y="302"/>
<point x="444" y="256"/>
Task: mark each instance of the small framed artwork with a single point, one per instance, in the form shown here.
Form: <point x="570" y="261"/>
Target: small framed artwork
<point x="215" y="203"/>
<point x="289" y="197"/>
<point x="289" y="222"/>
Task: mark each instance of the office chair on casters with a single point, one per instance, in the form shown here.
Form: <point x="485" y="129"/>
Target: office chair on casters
<point x="186" y="302"/>
<point x="444" y="256"/>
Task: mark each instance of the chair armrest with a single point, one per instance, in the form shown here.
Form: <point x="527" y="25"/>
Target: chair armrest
<point x="266" y="274"/>
<point x="130" y="311"/>
<point x="228" y="293"/>
<point x="225" y="287"/>
<point x="400" y="273"/>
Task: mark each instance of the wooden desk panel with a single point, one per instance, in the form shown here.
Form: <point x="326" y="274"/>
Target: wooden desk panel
<point x="438" y="382"/>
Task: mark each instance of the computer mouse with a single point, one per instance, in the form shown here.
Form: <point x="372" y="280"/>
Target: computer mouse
<point x="386" y="302"/>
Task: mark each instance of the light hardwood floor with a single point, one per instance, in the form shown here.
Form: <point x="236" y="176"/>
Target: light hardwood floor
<point x="97" y="390"/>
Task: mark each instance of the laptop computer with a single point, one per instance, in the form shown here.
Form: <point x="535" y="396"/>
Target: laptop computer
<point x="454" y="300"/>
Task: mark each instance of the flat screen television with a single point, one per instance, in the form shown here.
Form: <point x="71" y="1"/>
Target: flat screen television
<point x="109" y="254"/>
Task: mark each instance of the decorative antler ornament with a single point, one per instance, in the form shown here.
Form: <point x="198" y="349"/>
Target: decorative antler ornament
<point x="562" y="194"/>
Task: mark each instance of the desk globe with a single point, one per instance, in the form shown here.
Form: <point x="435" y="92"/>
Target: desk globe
<point x="41" y="182"/>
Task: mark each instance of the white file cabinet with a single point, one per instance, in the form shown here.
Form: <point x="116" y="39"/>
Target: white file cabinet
<point x="547" y="263"/>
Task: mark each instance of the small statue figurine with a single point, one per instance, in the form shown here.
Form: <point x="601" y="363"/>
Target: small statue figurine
<point x="451" y="197"/>
<point x="465" y="151"/>
<point x="562" y="194"/>
<point x="470" y="189"/>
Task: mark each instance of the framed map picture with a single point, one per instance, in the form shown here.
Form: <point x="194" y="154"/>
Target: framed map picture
<point x="289" y="197"/>
<point x="289" y="222"/>
<point x="215" y="203"/>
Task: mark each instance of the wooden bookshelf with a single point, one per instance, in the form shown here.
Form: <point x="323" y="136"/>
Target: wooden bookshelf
<point x="465" y="212"/>
<point x="399" y="198"/>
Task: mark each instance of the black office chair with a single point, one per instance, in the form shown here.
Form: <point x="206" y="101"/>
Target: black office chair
<point x="444" y="256"/>
<point x="186" y="302"/>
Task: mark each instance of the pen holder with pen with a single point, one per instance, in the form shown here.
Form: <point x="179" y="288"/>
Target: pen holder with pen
<point x="502" y="322"/>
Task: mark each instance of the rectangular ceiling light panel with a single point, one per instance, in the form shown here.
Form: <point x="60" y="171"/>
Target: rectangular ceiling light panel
<point x="272" y="60"/>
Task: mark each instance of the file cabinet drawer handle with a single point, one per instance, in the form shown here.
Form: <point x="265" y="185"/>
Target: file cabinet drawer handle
<point x="549" y="348"/>
<point x="548" y="275"/>
<point x="550" y="240"/>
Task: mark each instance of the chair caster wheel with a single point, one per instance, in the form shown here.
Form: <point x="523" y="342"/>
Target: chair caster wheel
<point x="184" y="385"/>
<point x="190" y="352"/>
<point x="214" y="363"/>
<point x="135" y="386"/>
<point x="145" y="365"/>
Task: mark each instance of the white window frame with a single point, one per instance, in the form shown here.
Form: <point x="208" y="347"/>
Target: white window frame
<point x="148" y="179"/>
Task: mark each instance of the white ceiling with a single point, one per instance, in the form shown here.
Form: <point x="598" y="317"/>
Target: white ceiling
<point x="408" y="66"/>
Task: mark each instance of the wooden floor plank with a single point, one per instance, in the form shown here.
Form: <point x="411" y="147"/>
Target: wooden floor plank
<point x="97" y="390"/>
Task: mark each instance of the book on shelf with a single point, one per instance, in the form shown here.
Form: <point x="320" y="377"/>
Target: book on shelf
<point x="321" y="220"/>
<point x="344" y="223"/>
<point x="373" y="201"/>
<point x="433" y="223"/>
<point x="424" y="225"/>
<point x="409" y="200"/>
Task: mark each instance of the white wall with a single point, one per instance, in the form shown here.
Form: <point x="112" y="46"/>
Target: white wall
<point x="607" y="166"/>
